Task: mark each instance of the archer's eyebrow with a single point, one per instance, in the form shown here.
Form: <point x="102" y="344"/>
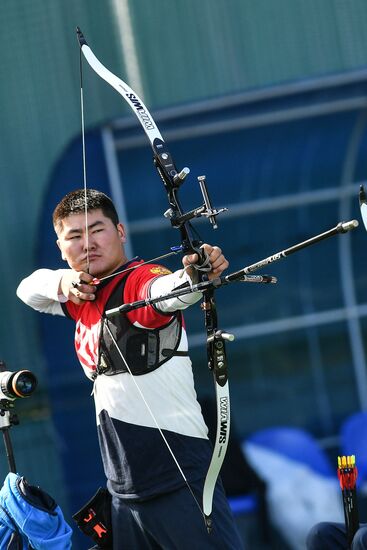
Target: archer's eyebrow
<point x="80" y="230"/>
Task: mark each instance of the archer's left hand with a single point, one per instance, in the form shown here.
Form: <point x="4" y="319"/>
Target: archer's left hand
<point x="216" y="259"/>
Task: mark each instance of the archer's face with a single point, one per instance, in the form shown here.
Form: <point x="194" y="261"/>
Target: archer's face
<point x="104" y="243"/>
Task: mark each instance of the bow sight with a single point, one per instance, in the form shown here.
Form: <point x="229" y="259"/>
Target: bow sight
<point x="206" y="210"/>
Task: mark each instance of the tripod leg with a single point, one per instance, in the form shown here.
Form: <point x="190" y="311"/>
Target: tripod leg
<point x="9" y="450"/>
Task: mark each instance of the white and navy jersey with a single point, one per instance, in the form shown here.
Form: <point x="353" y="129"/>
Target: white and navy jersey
<point x="136" y="460"/>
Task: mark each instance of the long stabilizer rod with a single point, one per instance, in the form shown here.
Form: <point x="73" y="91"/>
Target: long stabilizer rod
<point x="342" y="227"/>
<point x="243" y="275"/>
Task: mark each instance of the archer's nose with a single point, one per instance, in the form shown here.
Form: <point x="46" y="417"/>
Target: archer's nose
<point x="89" y="244"/>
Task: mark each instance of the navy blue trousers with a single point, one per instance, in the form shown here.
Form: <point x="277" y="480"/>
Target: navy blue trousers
<point x="173" y="522"/>
<point x="332" y="536"/>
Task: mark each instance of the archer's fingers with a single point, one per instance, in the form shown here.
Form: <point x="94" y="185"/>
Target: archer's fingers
<point x="216" y="257"/>
<point x="190" y="259"/>
<point x="83" y="291"/>
<point x="78" y="288"/>
<point x="80" y="278"/>
<point x="218" y="261"/>
<point x="211" y="254"/>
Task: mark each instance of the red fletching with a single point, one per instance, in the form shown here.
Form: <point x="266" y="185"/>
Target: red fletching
<point x="347" y="477"/>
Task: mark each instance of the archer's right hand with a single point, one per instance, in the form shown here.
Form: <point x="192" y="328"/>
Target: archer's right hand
<point x="76" y="286"/>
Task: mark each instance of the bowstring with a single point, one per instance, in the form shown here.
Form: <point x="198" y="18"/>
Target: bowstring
<point x="84" y="158"/>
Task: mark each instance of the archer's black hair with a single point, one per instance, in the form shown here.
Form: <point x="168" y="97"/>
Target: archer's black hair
<point x="74" y="203"/>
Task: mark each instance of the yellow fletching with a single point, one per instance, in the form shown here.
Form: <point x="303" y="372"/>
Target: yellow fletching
<point x="346" y="461"/>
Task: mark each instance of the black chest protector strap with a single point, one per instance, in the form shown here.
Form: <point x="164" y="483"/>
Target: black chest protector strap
<point x="143" y="349"/>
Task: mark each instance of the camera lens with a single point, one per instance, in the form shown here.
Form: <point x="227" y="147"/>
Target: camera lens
<point x="24" y="383"/>
<point x="21" y="383"/>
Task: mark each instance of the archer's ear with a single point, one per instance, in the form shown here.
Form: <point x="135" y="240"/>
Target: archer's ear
<point x="122" y="232"/>
<point x="62" y="255"/>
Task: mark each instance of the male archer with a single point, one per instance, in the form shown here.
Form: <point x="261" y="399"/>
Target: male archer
<point x="144" y="351"/>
